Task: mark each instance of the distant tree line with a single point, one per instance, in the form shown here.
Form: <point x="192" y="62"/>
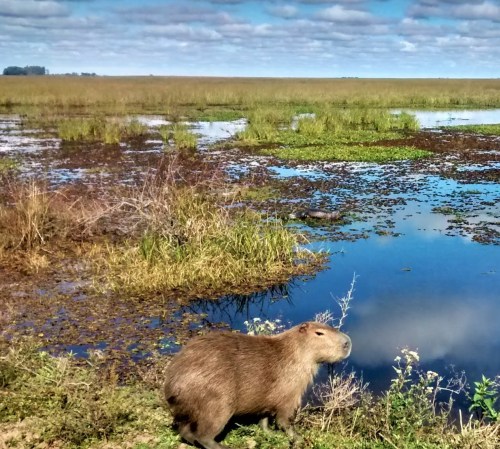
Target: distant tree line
<point x="28" y="70"/>
<point x="38" y="70"/>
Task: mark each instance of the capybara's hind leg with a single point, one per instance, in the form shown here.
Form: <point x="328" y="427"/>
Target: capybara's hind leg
<point x="205" y="430"/>
<point x="186" y="434"/>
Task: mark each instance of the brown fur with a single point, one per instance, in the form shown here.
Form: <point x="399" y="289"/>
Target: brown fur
<point x="222" y="374"/>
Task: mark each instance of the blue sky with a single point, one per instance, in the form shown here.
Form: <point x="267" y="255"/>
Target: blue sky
<point x="282" y="38"/>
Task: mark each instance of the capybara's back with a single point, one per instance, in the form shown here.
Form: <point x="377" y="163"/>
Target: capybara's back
<point x="222" y="374"/>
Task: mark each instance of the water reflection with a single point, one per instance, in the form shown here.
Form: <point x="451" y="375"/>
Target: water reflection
<point x="233" y="309"/>
<point x="461" y="328"/>
<point x="437" y="295"/>
<point x="435" y="119"/>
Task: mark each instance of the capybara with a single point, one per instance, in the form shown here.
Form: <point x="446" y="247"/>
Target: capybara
<point x="223" y="374"/>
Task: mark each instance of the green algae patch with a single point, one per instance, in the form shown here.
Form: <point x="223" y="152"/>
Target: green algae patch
<point x="344" y="152"/>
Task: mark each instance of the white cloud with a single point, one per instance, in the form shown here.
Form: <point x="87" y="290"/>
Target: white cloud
<point x="284" y="11"/>
<point x="339" y="13"/>
<point x="183" y="32"/>
<point x="483" y="11"/>
<point x="408" y="47"/>
<point x="32" y="8"/>
<point x="468" y="10"/>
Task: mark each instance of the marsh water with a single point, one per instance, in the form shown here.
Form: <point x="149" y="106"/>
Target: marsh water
<point x="420" y="237"/>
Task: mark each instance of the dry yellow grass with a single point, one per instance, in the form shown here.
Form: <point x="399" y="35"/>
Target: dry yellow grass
<point x="166" y="94"/>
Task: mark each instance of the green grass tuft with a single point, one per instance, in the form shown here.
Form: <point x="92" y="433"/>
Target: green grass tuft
<point x="334" y="134"/>
<point x="8" y="164"/>
<point x="99" y="129"/>
<point x="489" y="130"/>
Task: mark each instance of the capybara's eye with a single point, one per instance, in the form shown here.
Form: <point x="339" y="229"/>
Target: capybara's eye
<point x="320" y="333"/>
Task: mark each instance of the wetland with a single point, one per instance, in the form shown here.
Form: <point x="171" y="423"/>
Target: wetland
<point x="154" y="227"/>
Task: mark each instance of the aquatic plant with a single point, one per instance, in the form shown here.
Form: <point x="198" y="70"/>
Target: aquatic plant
<point x="99" y="129"/>
<point x="179" y="135"/>
<point x="488" y="130"/>
<point x="335" y="134"/>
<point x="183" y="138"/>
<point x="343" y="152"/>
<point x="257" y="326"/>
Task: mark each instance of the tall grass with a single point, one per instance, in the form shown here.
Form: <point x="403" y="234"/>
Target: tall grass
<point x="98" y="129"/>
<point x="29" y="220"/>
<point x="190" y="94"/>
<point x="179" y="135"/>
<point x="189" y="242"/>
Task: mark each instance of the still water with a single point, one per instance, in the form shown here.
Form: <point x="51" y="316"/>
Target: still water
<point x="422" y="286"/>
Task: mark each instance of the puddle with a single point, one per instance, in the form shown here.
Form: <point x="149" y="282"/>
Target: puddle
<point x="308" y="172"/>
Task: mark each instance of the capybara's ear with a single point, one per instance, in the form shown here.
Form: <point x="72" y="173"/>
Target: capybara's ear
<point x="303" y="327"/>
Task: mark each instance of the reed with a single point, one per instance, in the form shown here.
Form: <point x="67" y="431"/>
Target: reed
<point x="199" y="96"/>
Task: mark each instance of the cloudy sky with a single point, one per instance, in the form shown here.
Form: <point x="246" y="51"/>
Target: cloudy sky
<point x="309" y="38"/>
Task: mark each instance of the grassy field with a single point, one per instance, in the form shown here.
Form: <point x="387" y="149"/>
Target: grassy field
<point x="55" y="402"/>
<point x="212" y="98"/>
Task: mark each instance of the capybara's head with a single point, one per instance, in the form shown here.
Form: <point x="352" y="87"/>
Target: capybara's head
<point x="325" y="344"/>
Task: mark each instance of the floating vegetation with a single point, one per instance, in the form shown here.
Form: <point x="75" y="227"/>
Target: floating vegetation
<point x="365" y="153"/>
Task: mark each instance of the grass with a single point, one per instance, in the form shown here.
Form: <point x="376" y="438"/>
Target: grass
<point x="489" y="130"/>
<point x="180" y="135"/>
<point x="99" y="129"/>
<point x="176" y="237"/>
<point x="55" y="401"/>
<point x="191" y="243"/>
<point x="334" y="135"/>
<point x="61" y="402"/>
<point x="28" y="218"/>
<point x="8" y="164"/>
<point x="209" y="97"/>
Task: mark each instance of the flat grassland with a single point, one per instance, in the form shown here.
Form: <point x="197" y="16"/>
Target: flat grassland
<point x="169" y="94"/>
